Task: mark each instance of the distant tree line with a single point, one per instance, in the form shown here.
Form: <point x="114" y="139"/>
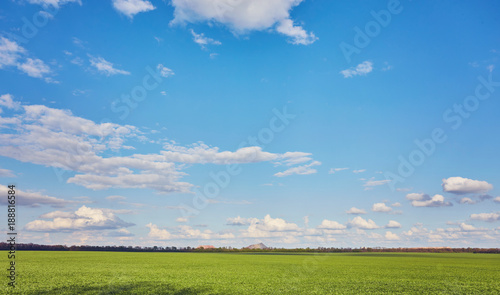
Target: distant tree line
<point x="37" y="247"/>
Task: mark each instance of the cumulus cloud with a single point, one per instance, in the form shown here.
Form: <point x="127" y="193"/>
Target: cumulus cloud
<point x="297" y="34"/>
<point x="84" y="218"/>
<point x="12" y="54"/>
<point x="457" y="235"/>
<point x="391" y="236"/>
<point x="497" y="199"/>
<point x="105" y="67"/>
<point x="300" y="170"/>
<point x="132" y="7"/>
<point x="381" y="207"/>
<point x="355" y="210"/>
<point x="467" y="227"/>
<point x="328" y="224"/>
<point x="34" y="68"/>
<point x="241" y="221"/>
<point x="34" y="199"/>
<point x="424" y="200"/>
<point x="361" y="223"/>
<point x="393" y="224"/>
<point x="7" y="101"/>
<point x="56" y="138"/>
<point x="360" y="70"/>
<point x="490" y="217"/>
<point x="269" y="227"/>
<point x="460" y="186"/>
<point x="185" y="232"/>
<point x="244" y="16"/>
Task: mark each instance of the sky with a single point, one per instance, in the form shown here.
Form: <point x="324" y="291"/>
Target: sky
<point x="295" y="123"/>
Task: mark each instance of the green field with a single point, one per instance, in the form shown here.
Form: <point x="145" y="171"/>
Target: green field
<point x="248" y="273"/>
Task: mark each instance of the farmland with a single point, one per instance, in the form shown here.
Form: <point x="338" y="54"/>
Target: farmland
<point x="248" y="273"/>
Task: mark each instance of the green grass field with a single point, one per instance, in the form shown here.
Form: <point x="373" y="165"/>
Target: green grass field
<point x="227" y="273"/>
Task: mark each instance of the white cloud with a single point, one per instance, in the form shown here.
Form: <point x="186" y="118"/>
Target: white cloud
<point x="497" y="199"/>
<point x="56" y="138"/>
<point x="490" y="217"/>
<point x="294" y="158"/>
<point x="241" y="221"/>
<point x="381" y="207"/>
<point x="415" y="197"/>
<point x="164" y="71"/>
<point x="34" y="199"/>
<point x="84" y="218"/>
<point x="297" y="34"/>
<point x="460" y="186"/>
<point x="360" y="70"/>
<point x="372" y="182"/>
<point x="300" y="170"/>
<point x="358" y="171"/>
<point x="55" y="3"/>
<point x="467" y="201"/>
<point x="7" y="101"/>
<point x="157" y="233"/>
<point x="105" y="67"/>
<point x="202" y="40"/>
<point x="361" y="223"/>
<point x="269" y="227"/>
<point x="181" y="219"/>
<point x="11" y="54"/>
<point x="201" y="153"/>
<point x="58" y="214"/>
<point x="424" y="200"/>
<point x="393" y="224"/>
<point x="132" y="7"/>
<point x="391" y="236"/>
<point x="397" y="204"/>
<point x="185" y="232"/>
<point x="328" y="224"/>
<point x="334" y="170"/>
<point x="244" y="16"/>
<point x="355" y="210"/>
<point x="467" y="227"/>
<point x="6" y="173"/>
<point x="465" y="233"/>
<point x="34" y="68"/>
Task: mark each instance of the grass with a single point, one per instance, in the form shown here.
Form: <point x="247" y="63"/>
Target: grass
<point x="226" y="273"/>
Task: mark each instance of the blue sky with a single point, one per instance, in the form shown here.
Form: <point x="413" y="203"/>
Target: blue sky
<point x="230" y="122"/>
